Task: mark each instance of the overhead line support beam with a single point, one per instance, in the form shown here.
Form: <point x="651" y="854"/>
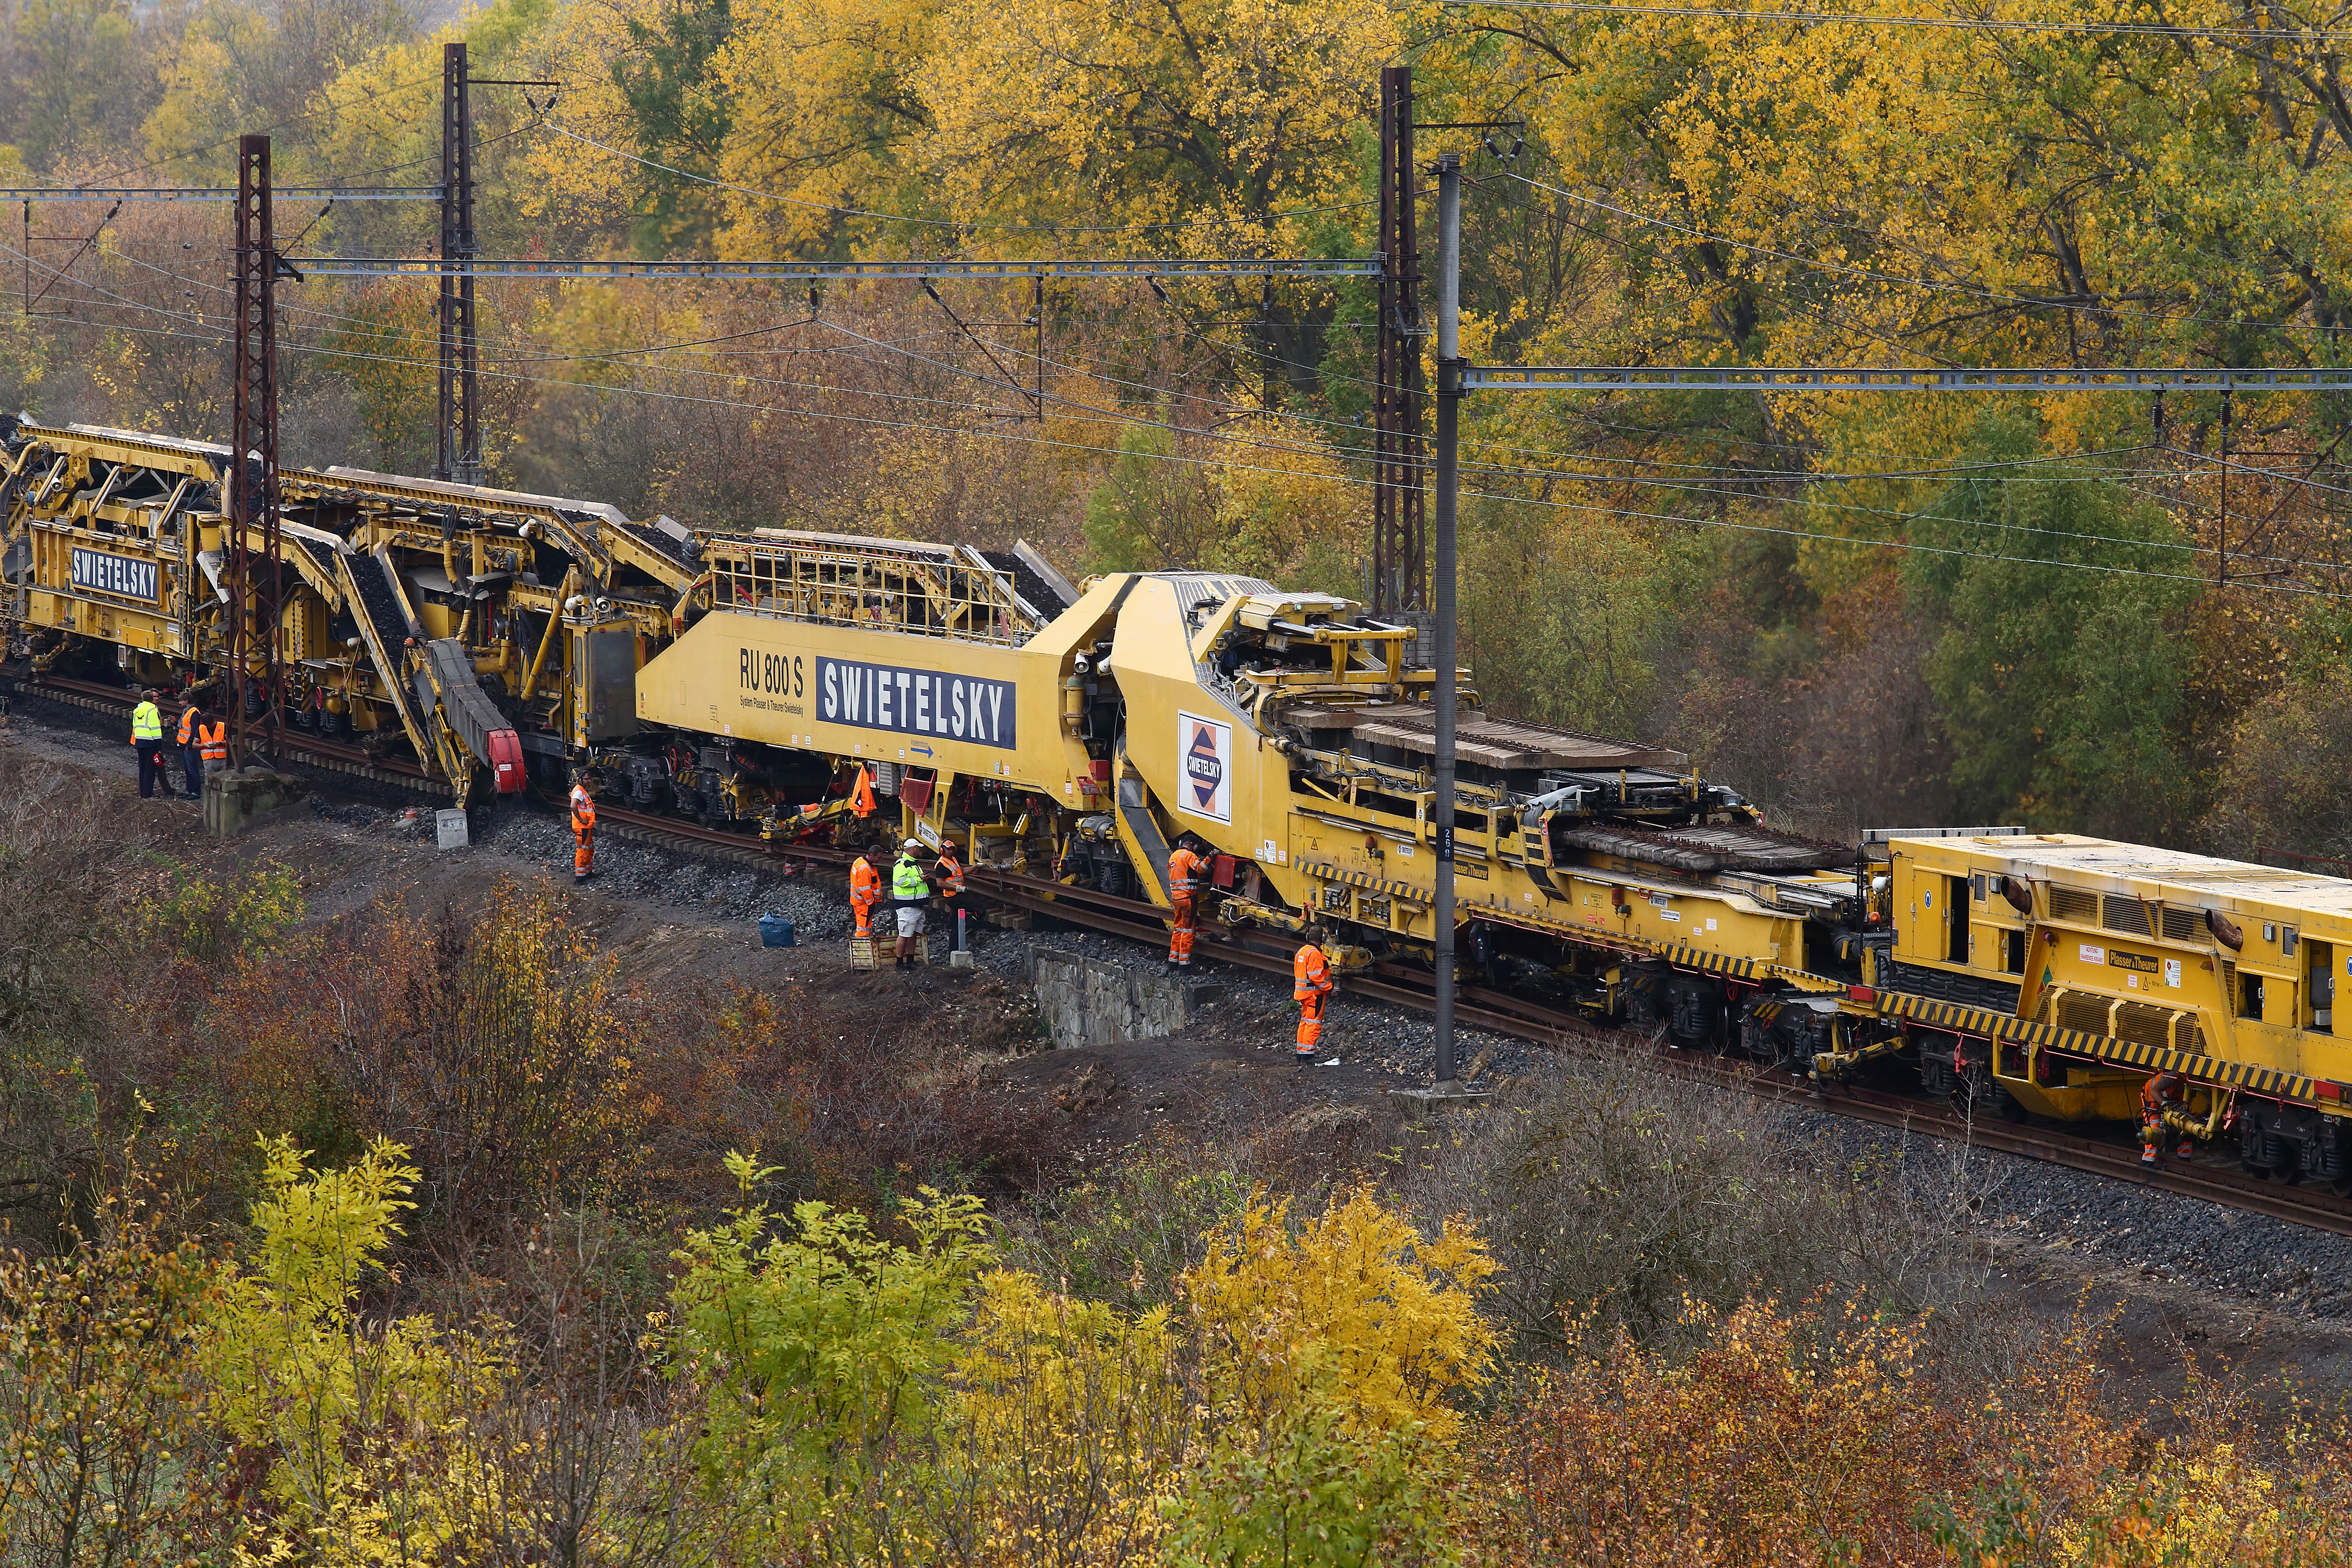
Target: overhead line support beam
<point x="251" y="479"/>
<point x="824" y="272"/>
<point x="1836" y="378"/>
<point x="222" y="193"/>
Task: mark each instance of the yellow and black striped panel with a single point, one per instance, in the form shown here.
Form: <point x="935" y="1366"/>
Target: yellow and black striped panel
<point x="1405" y="890"/>
<point x="1713" y="963"/>
<point x="2102" y="1047"/>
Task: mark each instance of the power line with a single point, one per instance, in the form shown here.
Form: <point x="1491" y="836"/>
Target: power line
<point x="1015" y="437"/>
<point x="219" y="193"/>
<point x="1870" y="274"/>
<point x="1116" y="418"/>
<point x="1962" y="23"/>
<point x="832" y="208"/>
<point x="1172" y="268"/>
<point x="1331" y="454"/>
<point x="1842" y="378"/>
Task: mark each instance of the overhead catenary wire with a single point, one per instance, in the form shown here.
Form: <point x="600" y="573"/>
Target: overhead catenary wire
<point x="1088" y="411"/>
<point x="1884" y="19"/>
<point x="1015" y="436"/>
<point x="838" y="209"/>
<point x="1929" y="285"/>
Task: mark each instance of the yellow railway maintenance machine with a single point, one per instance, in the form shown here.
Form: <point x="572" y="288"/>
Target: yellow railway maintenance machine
<point x="1076" y="733"/>
<point x="2060" y="971"/>
<point x="1079" y="734"/>
<point x="483" y="633"/>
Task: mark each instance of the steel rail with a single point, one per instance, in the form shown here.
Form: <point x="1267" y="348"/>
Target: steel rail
<point x="1139" y="921"/>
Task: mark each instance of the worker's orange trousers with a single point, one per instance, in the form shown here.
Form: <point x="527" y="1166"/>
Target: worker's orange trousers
<point x="583" y="850"/>
<point x="1310" y="1023"/>
<point x="1179" y="937"/>
<point x="865" y="907"/>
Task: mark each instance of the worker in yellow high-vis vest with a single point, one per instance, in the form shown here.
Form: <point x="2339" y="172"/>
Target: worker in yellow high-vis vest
<point x="147" y="740"/>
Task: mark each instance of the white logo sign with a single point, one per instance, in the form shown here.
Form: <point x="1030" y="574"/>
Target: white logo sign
<point x="95" y="569"/>
<point x="2094" y="954"/>
<point x="2172" y="973"/>
<point x="1205" y="751"/>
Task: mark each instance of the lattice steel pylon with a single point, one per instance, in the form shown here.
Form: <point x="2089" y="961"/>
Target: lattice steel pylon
<point x="1400" y="567"/>
<point x="254" y="544"/>
<point x="457" y="453"/>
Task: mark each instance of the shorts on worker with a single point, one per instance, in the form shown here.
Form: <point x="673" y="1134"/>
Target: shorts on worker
<point x="913" y="919"/>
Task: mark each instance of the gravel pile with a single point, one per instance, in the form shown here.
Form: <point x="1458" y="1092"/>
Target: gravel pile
<point x="1356" y="1029"/>
<point x="542" y="841"/>
<point x="2163" y="1236"/>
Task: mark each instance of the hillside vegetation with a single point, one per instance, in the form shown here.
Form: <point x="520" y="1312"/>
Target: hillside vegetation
<point x="430" y="1238"/>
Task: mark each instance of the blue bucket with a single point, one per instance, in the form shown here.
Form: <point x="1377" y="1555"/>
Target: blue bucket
<point x="775" y="931"/>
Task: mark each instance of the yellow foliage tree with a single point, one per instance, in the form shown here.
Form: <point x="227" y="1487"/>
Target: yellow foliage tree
<point x="1358" y="1306"/>
<point x="362" y="1426"/>
<point x="1204" y="118"/>
<point x="824" y="100"/>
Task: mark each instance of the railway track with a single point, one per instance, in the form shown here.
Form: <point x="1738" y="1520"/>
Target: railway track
<point x="1138" y="920"/>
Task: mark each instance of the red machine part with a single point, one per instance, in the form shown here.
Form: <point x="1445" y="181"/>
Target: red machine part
<point x="505" y="761"/>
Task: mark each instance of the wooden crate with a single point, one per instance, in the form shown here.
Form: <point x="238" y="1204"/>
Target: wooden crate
<point x="882" y="953"/>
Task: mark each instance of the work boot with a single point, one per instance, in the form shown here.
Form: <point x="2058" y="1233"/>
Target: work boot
<point x="579" y="878"/>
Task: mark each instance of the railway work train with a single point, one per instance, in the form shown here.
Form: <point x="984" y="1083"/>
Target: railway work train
<point x="771" y="681"/>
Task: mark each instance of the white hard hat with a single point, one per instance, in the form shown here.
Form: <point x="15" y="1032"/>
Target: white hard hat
<point x="914" y="844"/>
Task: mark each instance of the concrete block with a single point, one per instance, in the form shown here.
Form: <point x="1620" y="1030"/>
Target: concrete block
<point x="1419" y="1104"/>
<point x="449" y="829"/>
<point x="1087" y="1002"/>
<point x="961" y="959"/>
<point x="240" y="798"/>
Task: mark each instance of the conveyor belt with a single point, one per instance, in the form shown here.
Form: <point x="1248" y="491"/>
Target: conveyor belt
<point x="466" y="707"/>
<point x="660" y="544"/>
<point x="1039" y="594"/>
<point x="385" y="630"/>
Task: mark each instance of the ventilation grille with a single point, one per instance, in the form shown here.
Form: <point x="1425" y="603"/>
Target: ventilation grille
<point x="2191" y="1039"/>
<point x="2073" y="904"/>
<point x="2077" y="1010"/>
<point x="2128" y="915"/>
<point x="2143" y="1024"/>
<point x="2230" y="985"/>
<point x="2184" y="925"/>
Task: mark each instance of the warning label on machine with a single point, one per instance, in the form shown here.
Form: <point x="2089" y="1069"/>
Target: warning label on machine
<point x="915" y="701"/>
<point x="1206" y="748"/>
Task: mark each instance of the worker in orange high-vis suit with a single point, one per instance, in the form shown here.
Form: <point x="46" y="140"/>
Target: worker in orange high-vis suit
<point x="2159" y="1091"/>
<point x="949" y="873"/>
<point x="865" y="890"/>
<point x="212" y="741"/>
<point x="861" y="793"/>
<point x="1184" y="870"/>
<point x="190" y="758"/>
<point x="1310" y="984"/>
<point x="583" y="833"/>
